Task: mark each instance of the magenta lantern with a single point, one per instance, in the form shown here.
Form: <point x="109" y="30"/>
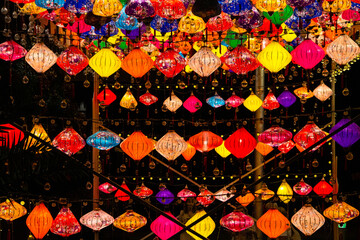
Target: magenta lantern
<point x="308" y="54"/>
<point x="186" y="193"/>
<point x="192" y="104"/>
<point x="165" y="228"/>
<point x="107" y="188"/>
<point x="11" y="51"/>
<point x="302" y="188"/>
<point x="236" y="221"/>
<point x="275" y="136"/>
<point x="234" y="101"/>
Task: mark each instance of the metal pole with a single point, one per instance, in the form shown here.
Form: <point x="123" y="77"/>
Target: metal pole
<point x="259" y="128"/>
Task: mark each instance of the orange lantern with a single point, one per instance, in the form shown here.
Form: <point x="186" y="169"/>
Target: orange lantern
<point x="11" y="210"/>
<point x="205" y="141"/>
<point x="39" y="221"/>
<point x="137" y="145"/>
<point x="189" y="152"/>
<point x="130" y="221"/>
<point x="273" y="223"/>
<point x="246" y="199"/>
<point x="172" y="103"/>
<point x="264" y="193"/>
<point x="137" y="63"/>
<point x="263" y="148"/>
<point x="303" y="93"/>
<point x="341" y="212"/>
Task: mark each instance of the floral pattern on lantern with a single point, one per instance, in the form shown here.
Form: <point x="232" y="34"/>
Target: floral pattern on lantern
<point x="106" y="8"/>
<point x="205" y="141"/>
<point x="103" y="140"/>
<point x="241" y="143"/>
<point x="303" y="93"/>
<point x="31" y="8"/>
<point x="215" y="101"/>
<point x="130" y="221"/>
<point x="172" y="103"/>
<point x="323" y="188"/>
<point x="273" y="223"/>
<point x="165" y="228"/>
<point x="219" y="23"/>
<point x="40" y="58"/>
<point x="164" y="196"/>
<point x="143" y="191"/>
<point x="185" y="194"/>
<point x="50" y="4"/>
<point x="245" y="199"/>
<point x="286" y="146"/>
<point x="170" y="63"/>
<point x="191" y="24"/>
<point x="285" y="192"/>
<point x="253" y="102"/>
<point x="348" y="136"/>
<point x="106" y="97"/>
<point x="236" y="221"/>
<point x="302" y="188"/>
<point x="234" y="101"/>
<point x="222" y="151"/>
<point x="341" y="212"/>
<point x="11" y="51"/>
<point x="343" y="49"/>
<point x="39" y="221"/>
<point x="309" y="135"/>
<point x="308" y="220"/>
<point x="204" y="62"/>
<point x="270" y="6"/>
<point x="105" y="62"/>
<point x="128" y="101"/>
<point x="205" y="197"/>
<point x="11" y="210"/>
<point x="137" y="145"/>
<point x="122" y="196"/>
<point x="147" y="98"/>
<point x="307" y="54"/>
<point x="270" y="102"/>
<point x="171" y="145"/>
<point x="79" y="6"/>
<point x="107" y="188"/>
<point x="137" y="63"/>
<point x="69" y="141"/>
<point x="286" y="98"/>
<point x="274" y="57"/>
<point x="140" y="9"/>
<point x="264" y="193"/>
<point x="72" y="61"/>
<point x="65" y="223"/>
<point x="322" y="92"/>
<point x="275" y="136"/>
<point x="240" y="60"/>
<point x="192" y="104"/>
<point x="97" y="219"/>
<point x="205" y="227"/>
<point x="263" y="148"/>
<point x="171" y="9"/>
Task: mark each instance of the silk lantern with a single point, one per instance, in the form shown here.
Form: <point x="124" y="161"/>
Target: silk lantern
<point x="128" y="101"/>
<point x="307" y="54"/>
<point x="286" y="98"/>
<point x="147" y="98"/>
<point x="253" y="102"/>
<point x="163" y="25"/>
<point x="336" y="6"/>
<point x="205" y="227"/>
<point x="72" y="61"/>
<point x="50" y="4"/>
<point x="170" y="63"/>
<point x="222" y="151"/>
<point x="65" y="224"/>
<point x="263" y="148"/>
<point x="164" y="196"/>
<point x="107" y="188"/>
<point x="192" y="104"/>
<point x="140" y="9"/>
<point x="171" y="9"/>
<point x="236" y="221"/>
<point x="241" y="143"/>
<point x="103" y="140"/>
<point x="137" y="63"/>
<point x="348" y="136"/>
<point x="11" y="210"/>
<point x="246" y="199"/>
<point x="105" y="62"/>
<point x="189" y="152"/>
<point x="270" y="6"/>
<point x="309" y="135"/>
<point x="122" y="196"/>
<point x="285" y="192"/>
<point x="106" y="8"/>
<point x="323" y="188"/>
<point x="234" y="101"/>
<point x="78" y="6"/>
<point x="264" y="193"/>
<point x="205" y="141"/>
<point x="106" y="97"/>
<point x="191" y="24"/>
<point x="31" y="8"/>
<point x="143" y="191"/>
<point x="286" y="146"/>
<point x="307" y="220"/>
<point x="273" y="223"/>
<point x="279" y="17"/>
<point x="303" y="92"/>
<point x="341" y="212"/>
<point x="240" y="60"/>
<point x="171" y="145"/>
<point x="39" y="132"/>
<point x="223" y="195"/>
<point x="204" y="62"/>
<point x="39" y="221"/>
<point x="165" y="228"/>
<point x="343" y="49"/>
<point x="215" y="101"/>
<point x="40" y="58"/>
<point x="205" y="197"/>
<point x="130" y="221"/>
<point x="235" y="7"/>
<point x="97" y="219"/>
<point x="172" y="103"/>
<point x="219" y="23"/>
<point x="270" y="102"/>
<point x="10" y="135"/>
<point x="185" y="194"/>
<point x="137" y="145"/>
<point x="69" y="141"/>
<point x="275" y="136"/>
<point x="123" y="21"/>
<point x="11" y="51"/>
<point x="274" y="57"/>
<point x="22" y="1"/>
<point x="322" y="92"/>
<point x="302" y="188"/>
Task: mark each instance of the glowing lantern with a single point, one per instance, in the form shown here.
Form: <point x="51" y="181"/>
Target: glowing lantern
<point x="165" y="228"/>
<point x="205" y="197"/>
<point x="192" y="104"/>
<point x="308" y="220"/>
<point x="240" y="60"/>
<point x="171" y="9"/>
<point x="191" y="24"/>
<point x="140" y="9"/>
<point x="50" y="4"/>
<point x="185" y="194"/>
<point x="204" y="227"/>
<point x="309" y="135"/>
<point x="40" y="58"/>
<point x="65" y="223"/>
<point x="22" y="1"/>
<point x="302" y="188"/>
<point x="172" y="103"/>
<point x="279" y="17"/>
<point x="275" y="136"/>
<point x="215" y="101"/>
<point x="348" y="136"/>
<point x="103" y="140"/>
<point x="322" y="92"/>
<point x="39" y="221"/>
<point x="97" y="219"/>
<point x="40" y="132"/>
<point x="137" y="145"/>
<point x="31" y="8"/>
<point x="128" y="100"/>
<point x="350" y="15"/>
<point x="246" y="199"/>
<point x="122" y="196"/>
<point x="171" y="145"/>
<point x="234" y="101"/>
<point x="123" y="21"/>
<point x="164" y="196"/>
<point x="336" y="6"/>
<point x="106" y="97"/>
<point x="69" y="141"/>
<point x="72" y="61"/>
<point x="288" y="34"/>
<point x="204" y="62"/>
<point x="107" y="188"/>
<point x="323" y="188"/>
<point x="130" y="221"/>
<point x="273" y="223"/>
<point x="205" y="141"/>
<point x="223" y="195"/>
<point x="341" y="212"/>
<point x="189" y="152"/>
<point x="148" y="99"/>
<point x="219" y="23"/>
<point x="264" y="193"/>
<point x="236" y="221"/>
<point x="308" y="54"/>
<point x="251" y="19"/>
<point x="222" y="151"/>
<point x="274" y="57"/>
<point x="106" y="8"/>
<point x="263" y="148"/>
<point x="286" y="146"/>
<point x="270" y="102"/>
<point x="343" y="49"/>
<point x="11" y="51"/>
<point x="170" y="63"/>
<point x="253" y="102"/>
<point x="78" y="6"/>
<point x="285" y="192"/>
<point x="241" y="143"/>
<point x="270" y="6"/>
<point x="137" y="63"/>
<point x="303" y="93"/>
<point x="105" y="62"/>
<point x="286" y="98"/>
<point x="143" y="191"/>
<point x="11" y="210"/>
<point x="10" y="135"/>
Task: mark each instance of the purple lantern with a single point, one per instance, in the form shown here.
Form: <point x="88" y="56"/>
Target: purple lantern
<point x="164" y="196"/>
<point x="250" y="19"/>
<point x="275" y="136"/>
<point x="140" y="9"/>
<point x="348" y="136"/>
<point x="286" y="98"/>
<point x="133" y="34"/>
<point x="299" y="3"/>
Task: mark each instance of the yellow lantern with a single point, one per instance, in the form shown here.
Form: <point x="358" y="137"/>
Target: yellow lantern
<point x="236" y="28"/>
<point x="105" y="62"/>
<point x="303" y="93"/>
<point x="106" y="8"/>
<point x="191" y="24"/>
<point x="40" y="58"/>
<point x="285" y="192"/>
<point x="130" y="221"/>
<point x="40" y="132"/>
<point x="308" y="220"/>
<point x="341" y="212"/>
<point x="270" y="5"/>
<point x="253" y="102"/>
<point x="222" y="151"/>
<point x="287" y="34"/>
<point x="246" y="199"/>
<point x="204" y="228"/>
<point x="160" y="37"/>
<point x="343" y="49"/>
<point x="263" y="148"/>
<point x="171" y="145"/>
<point x="128" y="100"/>
<point x="219" y="51"/>
<point x="322" y="92"/>
<point x="336" y="6"/>
<point x="264" y="193"/>
<point x="11" y="210"/>
<point x="31" y="8"/>
<point x="253" y="44"/>
<point x="274" y="57"/>
<point x="172" y="103"/>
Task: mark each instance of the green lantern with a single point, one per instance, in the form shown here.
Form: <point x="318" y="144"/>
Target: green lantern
<point x="278" y="18"/>
<point x="234" y="39"/>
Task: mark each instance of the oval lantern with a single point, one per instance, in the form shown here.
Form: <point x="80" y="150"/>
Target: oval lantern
<point x="253" y="102"/>
<point x="205" y="141"/>
<point x="140" y="9"/>
<point x="170" y="63"/>
<point x="223" y="195"/>
<point x="236" y="221"/>
<point x="147" y="98"/>
<point x="204" y="227"/>
<point x="69" y="141"/>
<point x="302" y="188"/>
<point x="234" y="101"/>
<point x="122" y="196"/>
<point x="270" y="6"/>
<point x="275" y="136"/>
<point x="128" y="101"/>
<point x="130" y="221"/>
<point x="165" y="228"/>
<point x="107" y="188"/>
<point x="308" y="220"/>
<point x="274" y="57"/>
<point x="65" y="223"/>
<point x="341" y="212"/>
<point x="39" y="221"/>
<point x="11" y="210"/>
<point x="105" y="62"/>
<point x="343" y="49"/>
<point x="171" y="145"/>
<point x="137" y="63"/>
<point x="285" y="192"/>
<point x="205" y="197"/>
<point x="137" y="145"/>
<point x="323" y="188"/>
<point x="50" y="4"/>
<point x="241" y="143"/>
<point x="103" y="140"/>
<point x="97" y="219"/>
<point x="286" y="98"/>
<point x="171" y="9"/>
<point x="215" y="101"/>
<point x="273" y="223"/>
<point x="40" y="58"/>
<point x="191" y="24"/>
<point x="204" y="62"/>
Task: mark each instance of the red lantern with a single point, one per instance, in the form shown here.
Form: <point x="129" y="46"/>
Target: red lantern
<point x="107" y="188"/>
<point x="286" y="146"/>
<point x="267" y="29"/>
<point x="205" y="197"/>
<point x="148" y="99"/>
<point x="234" y="101"/>
<point x="205" y="141"/>
<point x="309" y="135"/>
<point x="275" y="136"/>
<point x="72" y="61"/>
<point x="171" y="9"/>
<point x="137" y="145"/>
<point x="65" y="223"/>
<point x="121" y="195"/>
<point x="241" y="143"/>
<point x="165" y="228"/>
<point x="143" y="191"/>
<point x="219" y="23"/>
<point x="240" y="60"/>
<point x="236" y="221"/>
<point x="69" y="141"/>
<point x="10" y="135"/>
<point x="302" y="188"/>
<point x="170" y="63"/>
<point x="307" y="54"/>
<point x="270" y="102"/>
<point x="39" y="221"/>
<point x="186" y="193"/>
<point x="106" y="97"/>
<point x="192" y="104"/>
<point x="323" y="188"/>
<point x="11" y="51"/>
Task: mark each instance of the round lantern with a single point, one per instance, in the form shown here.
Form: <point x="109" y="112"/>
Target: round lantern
<point x="165" y="228"/>
<point x="143" y="191"/>
<point x="189" y="152"/>
<point x="240" y="60"/>
<point x="130" y="221"/>
<point x="170" y="63"/>
<point x="222" y="151"/>
<point x="191" y="24"/>
<point x="205" y="197"/>
<point x="31" y="8"/>
<point x="241" y="143"/>
<point x="185" y="194"/>
<point x="40" y="58"/>
<point x="274" y="57"/>
<point x="65" y="223"/>
<point x="253" y="102"/>
<point x="302" y="188"/>
<point x="147" y="98"/>
<point x="171" y="145"/>
<point x="204" y="62"/>
<point x="11" y="51"/>
<point x="343" y="49"/>
<point x="107" y="188"/>
<point x="137" y="63"/>
<point x="286" y="98"/>
<point x="322" y="92"/>
<point x="137" y="145"/>
<point x="128" y="100"/>
<point x="105" y="62"/>
<point x="172" y="103"/>
<point x="11" y="210"/>
<point x="106" y="97"/>
<point x="264" y="193"/>
<point x="323" y="188"/>
<point x="205" y="141"/>
<point x="341" y="212"/>
<point x="219" y="23"/>
<point x="234" y="101"/>
<point x="270" y="102"/>
<point x="164" y="196"/>
<point x="307" y="54"/>
<point x="122" y="196"/>
<point x="40" y="132"/>
<point x="285" y="192"/>
<point x="97" y="219"/>
<point x="215" y="101"/>
<point x="275" y="136"/>
<point x="72" y="61"/>
<point x="205" y="227"/>
<point x="171" y="9"/>
<point x="308" y="220"/>
<point x="270" y="6"/>
<point x="246" y="199"/>
<point x="106" y="8"/>
<point x="263" y="148"/>
<point x="78" y="6"/>
<point x="69" y="141"/>
<point x="309" y="135"/>
<point x="140" y="9"/>
<point x="236" y="221"/>
<point x="273" y="223"/>
<point x="348" y="136"/>
<point x="286" y="146"/>
<point x="50" y="4"/>
<point x="103" y="140"/>
<point x="336" y="6"/>
<point x="39" y="221"/>
<point x="192" y="104"/>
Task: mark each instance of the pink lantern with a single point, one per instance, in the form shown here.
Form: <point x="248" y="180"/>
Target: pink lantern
<point x="148" y="99"/>
<point x="186" y="193"/>
<point x="286" y="146"/>
<point x="309" y="135"/>
<point x="79" y="26"/>
<point x="107" y="188"/>
<point x="143" y="191"/>
<point x="165" y="228"/>
<point x="122" y="196"/>
<point x="308" y="54"/>
<point x="192" y="104"/>
<point x="97" y="219"/>
<point x="350" y="15"/>
<point x="270" y="102"/>
<point x="11" y="51"/>
<point x="234" y="101"/>
<point x="302" y="188"/>
<point x="69" y="141"/>
<point x="275" y="136"/>
<point x="223" y="195"/>
<point x="236" y="221"/>
<point x="65" y="223"/>
<point x="322" y="92"/>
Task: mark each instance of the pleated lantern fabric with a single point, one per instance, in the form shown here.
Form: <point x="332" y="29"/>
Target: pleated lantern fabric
<point x="40" y="58"/>
<point x="39" y="221"/>
<point x="165" y="228"/>
<point x="11" y="210"/>
<point x="236" y="221"/>
<point x="274" y="57"/>
<point x="137" y="145"/>
<point x="97" y="219"/>
<point x="105" y="62"/>
<point x="343" y="49"/>
<point x="130" y="221"/>
<point x="341" y="212"/>
<point x="204" y="227"/>
<point x="137" y="63"/>
<point x="241" y="143"/>
<point x="205" y="141"/>
<point x="307" y="220"/>
<point x="171" y="145"/>
<point x="273" y="223"/>
<point x="204" y="62"/>
<point x="106" y="8"/>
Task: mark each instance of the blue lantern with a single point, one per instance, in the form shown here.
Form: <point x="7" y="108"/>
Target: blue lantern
<point x="294" y="23"/>
<point x="164" y="196"/>
<point x="311" y="11"/>
<point x="355" y="6"/>
<point x="103" y="140"/>
<point x="126" y="22"/>
<point x="108" y="29"/>
<point x="78" y="6"/>
<point x="235" y="7"/>
<point x="90" y="34"/>
<point x="163" y="25"/>
<point x="215" y="101"/>
<point x="50" y="4"/>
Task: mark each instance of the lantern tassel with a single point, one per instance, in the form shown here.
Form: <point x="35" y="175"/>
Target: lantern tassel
<point x="205" y="163"/>
<point x="147" y="113"/>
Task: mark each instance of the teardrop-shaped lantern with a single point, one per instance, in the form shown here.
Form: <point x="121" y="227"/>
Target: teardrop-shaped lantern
<point x="253" y="102"/>
<point x="170" y="63"/>
<point x="137" y="145"/>
<point x="309" y="135"/>
<point x="128" y="100"/>
<point x="307" y="54"/>
<point x="343" y="49"/>
<point x="270" y="102"/>
<point x="191" y="24"/>
<point x="72" y="61"/>
<point x="106" y="97"/>
<point x="65" y="224"/>
<point x="11" y="210"/>
<point x="122" y="196"/>
<point x="285" y="192"/>
<point x="322" y="92"/>
<point x="31" y="142"/>
<point x="97" y="219"/>
<point x="164" y="196"/>
<point x="264" y="193"/>
<point x="106" y="8"/>
<point x="204" y="62"/>
<point x="273" y="223"/>
<point x="323" y="188"/>
<point x="165" y="228"/>
<point x="240" y="60"/>
<point x="215" y="101"/>
<point x="236" y="221"/>
<point x="105" y="62"/>
<point x="39" y="221"/>
<point x="275" y="136"/>
<point x="107" y="188"/>
<point x="341" y="212"/>
<point x="205" y="227"/>
<point x="185" y="194"/>
<point x="11" y="51"/>
<point x="222" y="150"/>
<point x="241" y="143"/>
<point x="137" y="63"/>
<point x="302" y="188"/>
<point x="143" y="191"/>
<point x="274" y="57"/>
<point x="348" y="136"/>
<point x="308" y="220"/>
<point x="40" y="58"/>
<point x="263" y="148"/>
<point x="192" y="104"/>
<point x="130" y="221"/>
<point x="286" y="98"/>
<point x="172" y="103"/>
<point x="69" y="141"/>
<point x="234" y="101"/>
<point x="103" y="140"/>
<point x="205" y="141"/>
